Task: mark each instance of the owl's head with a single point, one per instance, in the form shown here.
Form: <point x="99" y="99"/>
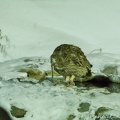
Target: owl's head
<point x="60" y="55"/>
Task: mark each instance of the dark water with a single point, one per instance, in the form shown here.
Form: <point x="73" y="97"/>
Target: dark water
<point x="101" y="82"/>
<point x="4" y="115"/>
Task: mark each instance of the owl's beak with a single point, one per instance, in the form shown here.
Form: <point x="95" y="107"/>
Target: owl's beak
<point x="53" y="61"/>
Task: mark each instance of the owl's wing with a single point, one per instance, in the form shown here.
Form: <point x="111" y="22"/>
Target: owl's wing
<point x="78" y="60"/>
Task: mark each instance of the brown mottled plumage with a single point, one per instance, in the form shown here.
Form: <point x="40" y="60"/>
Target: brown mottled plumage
<point x="69" y="60"/>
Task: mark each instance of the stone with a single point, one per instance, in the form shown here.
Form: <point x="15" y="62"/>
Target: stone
<point x="71" y="117"/>
<point x="110" y="70"/>
<point x="33" y="73"/>
<point x="84" y="107"/>
<point x="49" y="73"/>
<point x="101" y="110"/>
<point x="17" y="112"/>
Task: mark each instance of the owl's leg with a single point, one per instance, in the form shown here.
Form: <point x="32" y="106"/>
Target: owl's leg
<point x="72" y="80"/>
<point x="67" y="80"/>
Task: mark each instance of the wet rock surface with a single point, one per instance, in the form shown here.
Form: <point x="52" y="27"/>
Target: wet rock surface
<point x="100" y="82"/>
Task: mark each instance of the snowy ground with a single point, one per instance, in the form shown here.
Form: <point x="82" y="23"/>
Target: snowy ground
<point x="44" y="101"/>
<point x="34" y="28"/>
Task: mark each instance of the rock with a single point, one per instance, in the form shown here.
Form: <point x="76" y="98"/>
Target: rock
<point x="33" y="73"/>
<point x="4" y="115"/>
<point x="101" y="110"/>
<point x="17" y="112"/>
<point x="49" y="73"/>
<point x="71" y="117"/>
<point x="27" y="60"/>
<point x="107" y="117"/>
<point x="92" y="94"/>
<point x="110" y="70"/>
<point x="84" y="107"/>
<point x="113" y="88"/>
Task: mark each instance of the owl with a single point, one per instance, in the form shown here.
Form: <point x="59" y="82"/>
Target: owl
<point x="70" y="62"/>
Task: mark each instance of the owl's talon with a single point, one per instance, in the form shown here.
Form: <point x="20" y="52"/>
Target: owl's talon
<point x="69" y="81"/>
<point x="67" y="84"/>
<point x="72" y="83"/>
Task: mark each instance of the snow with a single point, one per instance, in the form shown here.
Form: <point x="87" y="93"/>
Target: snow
<point x="47" y="101"/>
<point x="83" y="23"/>
<point x="34" y="28"/>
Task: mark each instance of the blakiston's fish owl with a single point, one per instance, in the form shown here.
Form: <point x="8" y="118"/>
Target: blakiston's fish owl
<point x="70" y="62"/>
